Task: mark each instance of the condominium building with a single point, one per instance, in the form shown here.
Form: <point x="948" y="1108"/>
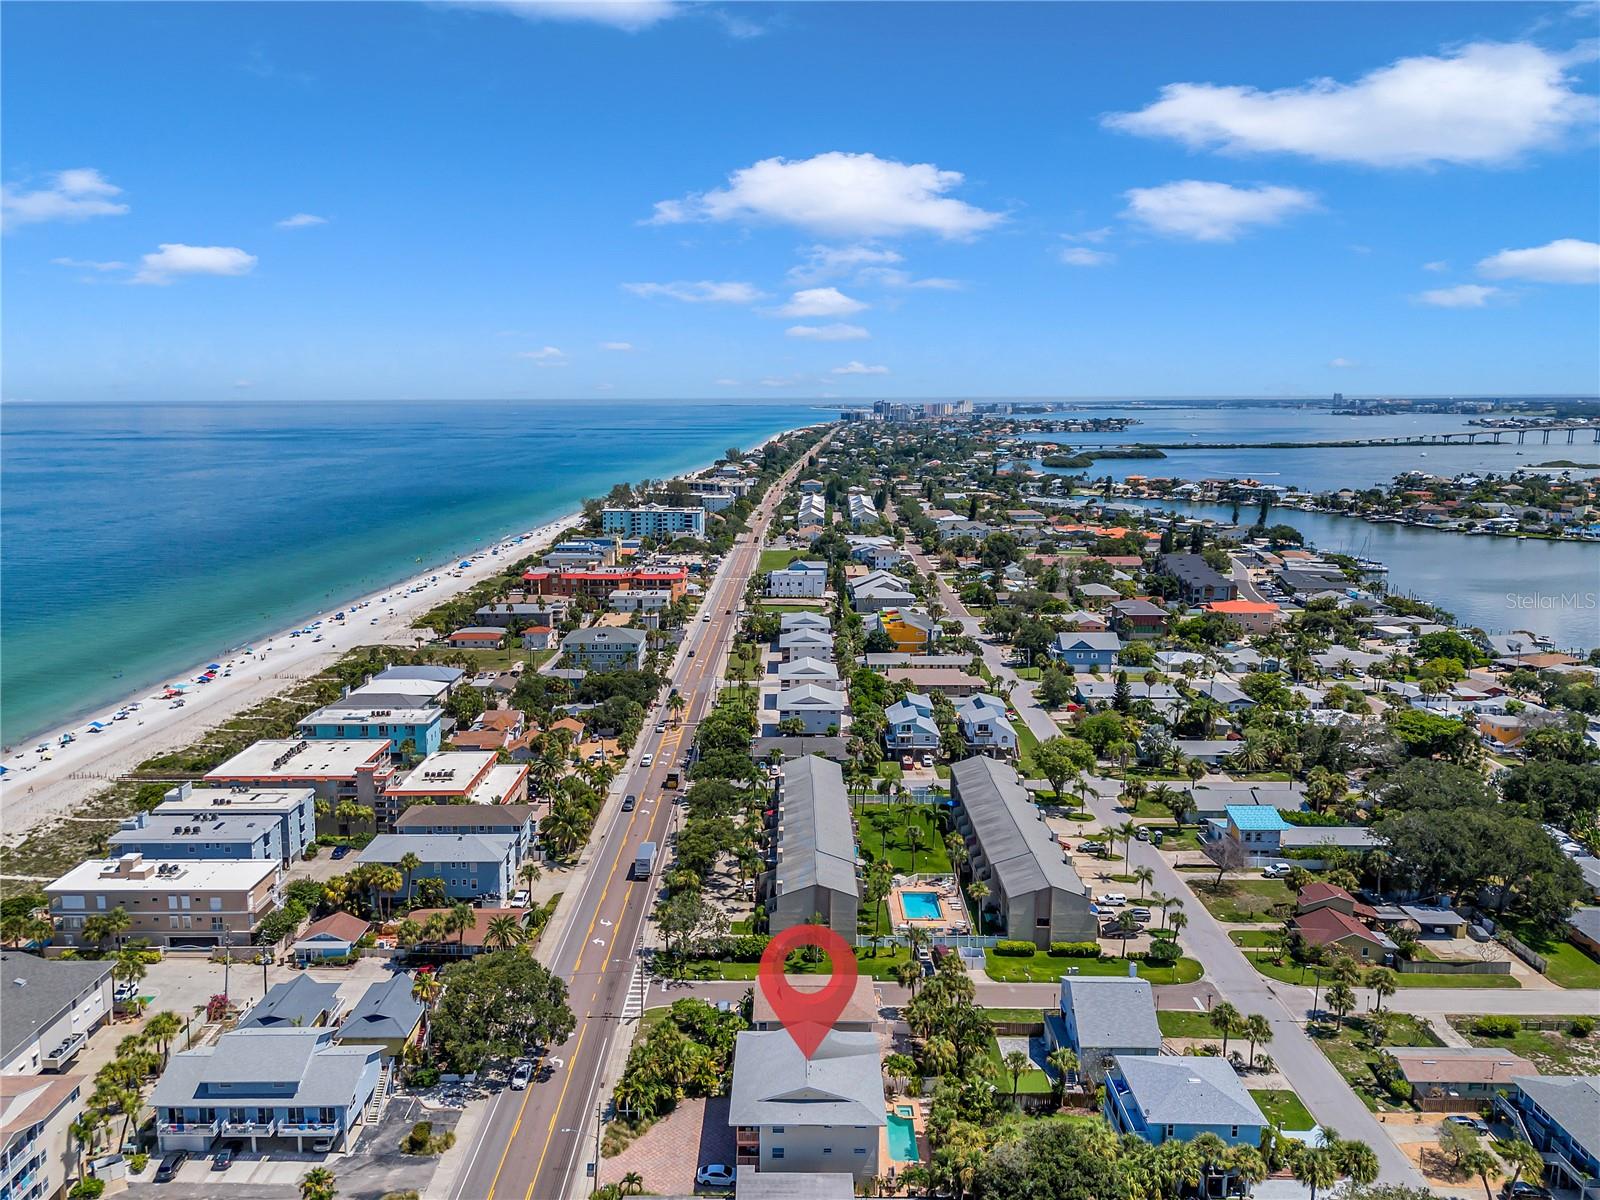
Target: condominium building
<point x="194" y="904"/>
<point x="657" y="521"/>
<point x="814" y="872"/>
<point x="292" y="808"/>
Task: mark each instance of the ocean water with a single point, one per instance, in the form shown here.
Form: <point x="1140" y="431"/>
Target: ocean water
<point x="138" y="539"/>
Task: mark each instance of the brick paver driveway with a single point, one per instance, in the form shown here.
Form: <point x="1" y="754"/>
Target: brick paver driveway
<point x="695" y="1132"/>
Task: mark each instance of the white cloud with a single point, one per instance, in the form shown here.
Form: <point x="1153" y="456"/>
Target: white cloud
<point x="820" y="302"/>
<point x="1344" y="362"/>
<point x="76" y="195"/>
<point x="1082" y="256"/>
<point x="859" y="368"/>
<point x="622" y="347"/>
<point x="630" y="15"/>
<point x="175" y="260"/>
<point x="1565" y="260"/>
<point x="726" y="382"/>
<point x="1436" y="266"/>
<point x="1213" y="212"/>
<point x="894" y="277"/>
<point x="84" y="264"/>
<point x="1092" y="236"/>
<point x="302" y="221"/>
<point x="703" y="291"/>
<point x="1465" y="295"/>
<point x="830" y="262"/>
<point x="837" y="332"/>
<point x="547" y="356"/>
<point x="838" y="194"/>
<point x="1482" y="104"/>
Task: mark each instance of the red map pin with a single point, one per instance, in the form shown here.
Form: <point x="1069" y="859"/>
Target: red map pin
<point x="808" y="1015"/>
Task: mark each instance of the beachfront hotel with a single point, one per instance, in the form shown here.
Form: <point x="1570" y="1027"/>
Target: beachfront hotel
<point x="172" y="905"/>
<point x="654" y="521"/>
<point x="599" y="583"/>
<point x="293" y="808"/>
<point x="455" y="777"/>
<point x="336" y="770"/>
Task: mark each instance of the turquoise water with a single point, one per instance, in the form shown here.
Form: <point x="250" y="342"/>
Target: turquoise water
<point x="139" y="539"/>
<point x="921" y="906"/>
<point x="902" y="1138"/>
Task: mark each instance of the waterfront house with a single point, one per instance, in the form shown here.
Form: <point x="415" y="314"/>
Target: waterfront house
<point x="1457" y="1078"/>
<point x="519" y="616"/>
<point x="472" y="866"/>
<point x="814" y="870"/>
<point x="37" y="1149"/>
<point x="293" y="809"/>
<point x="50" y="1009"/>
<point x="476" y="637"/>
<point x="387" y="1016"/>
<point x="334" y="936"/>
<point x="349" y="769"/>
<point x="985" y="726"/>
<point x="605" y="649"/>
<point x="1035" y="892"/>
<point x="1161" y="1098"/>
<point x="283" y="1086"/>
<point x="1560" y="1115"/>
<point x="819" y="709"/>
<point x="1104" y="1018"/>
<point x="1086" y="651"/>
<point x="1198" y="582"/>
<point x="600" y="582"/>
<point x="790" y="1112"/>
<point x="909" y="727"/>
<point x="799" y="580"/>
<point x="300" y="1003"/>
<point x="658" y="521"/>
<point x="174" y="905"/>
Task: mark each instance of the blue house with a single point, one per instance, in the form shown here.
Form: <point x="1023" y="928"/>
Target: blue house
<point x="1560" y="1115"/>
<point x="1159" y="1097"/>
<point x="281" y="1085"/>
<point x="472" y="865"/>
<point x="293" y="809"/>
<point x="1090" y="651"/>
<point x="1103" y="1020"/>
<point x="909" y="725"/>
<point x="1259" y="828"/>
<point x="216" y="834"/>
<point x="422" y="726"/>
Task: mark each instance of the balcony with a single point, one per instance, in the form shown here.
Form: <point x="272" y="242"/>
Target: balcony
<point x="248" y="1128"/>
<point x="177" y="1128"/>
<point x="317" y="1129"/>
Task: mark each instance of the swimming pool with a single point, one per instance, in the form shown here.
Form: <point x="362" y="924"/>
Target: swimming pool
<point x="902" y="1138"/>
<point x="921" y="906"/>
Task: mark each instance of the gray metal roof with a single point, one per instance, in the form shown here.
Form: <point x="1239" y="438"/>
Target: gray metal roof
<point x="385" y="1010"/>
<point x="1113" y="1013"/>
<point x="171" y="827"/>
<point x="292" y="1067"/>
<point x="510" y="816"/>
<point x="1188" y="1090"/>
<point x="1571" y="1101"/>
<point x="35" y="991"/>
<point x="1090" y="640"/>
<point x="300" y="1003"/>
<point x="1587" y="922"/>
<point x="816" y="845"/>
<point x="750" y="1184"/>
<point x="446" y="675"/>
<point x="812" y="696"/>
<point x="604" y="635"/>
<point x="1019" y="846"/>
<point x="774" y="1084"/>
<point x="440" y="847"/>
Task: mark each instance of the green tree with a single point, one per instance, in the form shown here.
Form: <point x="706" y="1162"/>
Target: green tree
<point x="1226" y="1020"/>
<point x="319" y="1183"/>
<point x="493" y="1005"/>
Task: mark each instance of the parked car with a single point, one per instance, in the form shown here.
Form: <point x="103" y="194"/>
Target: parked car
<point x="340" y="851"/>
<point x="1275" y="870"/>
<point x="628" y="802"/>
<point x="222" y="1159"/>
<point x="519" y="899"/>
<point x="1111" y="900"/>
<point x="521" y="1076"/>
<point x="1139" y="914"/>
<point x="1522" y="1190"/>
<point x="168" y="1170"/>
<point x="1157" y="837"/>
<point x="907" y="762"/>
<point x="714" y="1175"/>
<point x="927" y="760"/>
<point x="1143" y="834"/>
<point x="1477" y="1124"/>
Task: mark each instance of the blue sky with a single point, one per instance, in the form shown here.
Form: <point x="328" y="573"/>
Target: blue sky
<point x="649" y="199"/>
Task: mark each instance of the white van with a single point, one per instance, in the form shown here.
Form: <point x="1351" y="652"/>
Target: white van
<point x="1111" y="900"/>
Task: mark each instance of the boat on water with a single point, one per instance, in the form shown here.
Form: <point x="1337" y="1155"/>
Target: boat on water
<point x="1372" y="566"/>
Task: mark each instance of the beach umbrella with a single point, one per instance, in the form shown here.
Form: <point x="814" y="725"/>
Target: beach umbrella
<point x="213" y="666"/>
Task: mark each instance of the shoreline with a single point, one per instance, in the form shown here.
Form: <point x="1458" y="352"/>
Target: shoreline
<point x="38" y="788"/>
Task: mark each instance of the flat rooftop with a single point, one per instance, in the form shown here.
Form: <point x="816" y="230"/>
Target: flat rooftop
<point x="288" y="759"/>
<point x="247" y="799"/>
<point x="449" y="771"/>
<point x="160" y="875"/>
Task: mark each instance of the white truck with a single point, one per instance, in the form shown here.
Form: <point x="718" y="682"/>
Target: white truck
<point x="645" y="860"/>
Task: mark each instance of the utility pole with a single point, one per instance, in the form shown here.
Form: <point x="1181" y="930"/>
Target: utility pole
<point x="227" y="957"/>
<point x="599" y="1118"/>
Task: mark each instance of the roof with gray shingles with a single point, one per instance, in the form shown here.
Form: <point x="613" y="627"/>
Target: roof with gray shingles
<point x="1113" y="1013"/>
<point x="1010" y="828"/>
<point x="1188" y="1091"/>
<point x="255" y="1064"/>
<point x="300" y="1002"/>
<point x="36" y="991"/>
<point x="1571" y="1101"/>
<point x="440" y="847"/>
<point x="386" y="1010"/>
<point x="1587" y="922"/>
<point x="774" y="1084"/>
<point x="815" y="844"/>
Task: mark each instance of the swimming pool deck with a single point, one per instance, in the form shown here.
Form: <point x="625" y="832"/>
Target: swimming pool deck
<point x="952" y="915"/>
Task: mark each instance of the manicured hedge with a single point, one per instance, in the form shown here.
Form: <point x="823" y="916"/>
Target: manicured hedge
<point x="1015" y="949"/>
<point x="1075" y="949"/>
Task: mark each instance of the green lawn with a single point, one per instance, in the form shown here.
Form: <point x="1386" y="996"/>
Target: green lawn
<point x="773" y="606"/>
<point x="1283" y="1108"/>
<point x="1255" y="939"/>
<point x="1350" y="1051"/>
<point x="1567" y="966"/>
<point x="1031" y="1082"/>
<point x="1042" y="968"/>
<point x="1185" y="1023"/>
<point x="880" y="966"/>
<point x="1289" y="971"/>
<point x="1242" y="901"/>
<point x="776" y="560"/>
<point x="1030" y="1015"/>
<point x="489" y="660"/>
<point x="1027" y="742"/>
<point x="744" y="662"/>
<point x="1554" y="1052"/>
<point x="886" y="833"/>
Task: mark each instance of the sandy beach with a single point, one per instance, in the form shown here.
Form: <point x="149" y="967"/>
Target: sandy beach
<point x="40" y="786"/>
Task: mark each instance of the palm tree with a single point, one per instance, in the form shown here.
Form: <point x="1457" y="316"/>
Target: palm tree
<point x="409" y="862"/>
<point x="676" y="704"/>
<point x="1064" y="1063"/>
<point x="161" y="1029"/>
<point x="1126" y="831"/>
<point x="633" y="1183"/>
<point x="85" y="1132"/>
<point x="461" y="918"/>
<point x="1226" y="1020"/>
<point x="1176" y="923"/>
<point x="1383" y="983"/>
<point x="425" y="988"/>
<point x="504" y="932"/>
<point x="1016" y="1062"/>
<point x="1259" y="1030"/>
<point x="979" y="891"/>
<point x="1315" y="1169"/>
<point x="319" y="1184"/>
<point x="1340" y="998"/>
<point x="1143" y="876"/>
<point x="530" y="873"/>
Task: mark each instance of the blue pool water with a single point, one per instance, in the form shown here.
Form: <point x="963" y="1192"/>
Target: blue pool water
<point x="921" y="906"/>
<point x="902" y="1139"/>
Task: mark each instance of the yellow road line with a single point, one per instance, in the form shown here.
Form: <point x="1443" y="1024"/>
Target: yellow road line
<point x="555" y="1115"/>
<point x="511" y="1138"/>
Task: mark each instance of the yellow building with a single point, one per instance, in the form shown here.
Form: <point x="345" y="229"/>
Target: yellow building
<point x="911" y="632"/>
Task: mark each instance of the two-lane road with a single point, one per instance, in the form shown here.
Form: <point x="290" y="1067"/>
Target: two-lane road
<point x="532" y="1145"/>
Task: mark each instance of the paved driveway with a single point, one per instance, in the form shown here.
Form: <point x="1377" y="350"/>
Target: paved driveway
<point x="670" y="1152"/>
